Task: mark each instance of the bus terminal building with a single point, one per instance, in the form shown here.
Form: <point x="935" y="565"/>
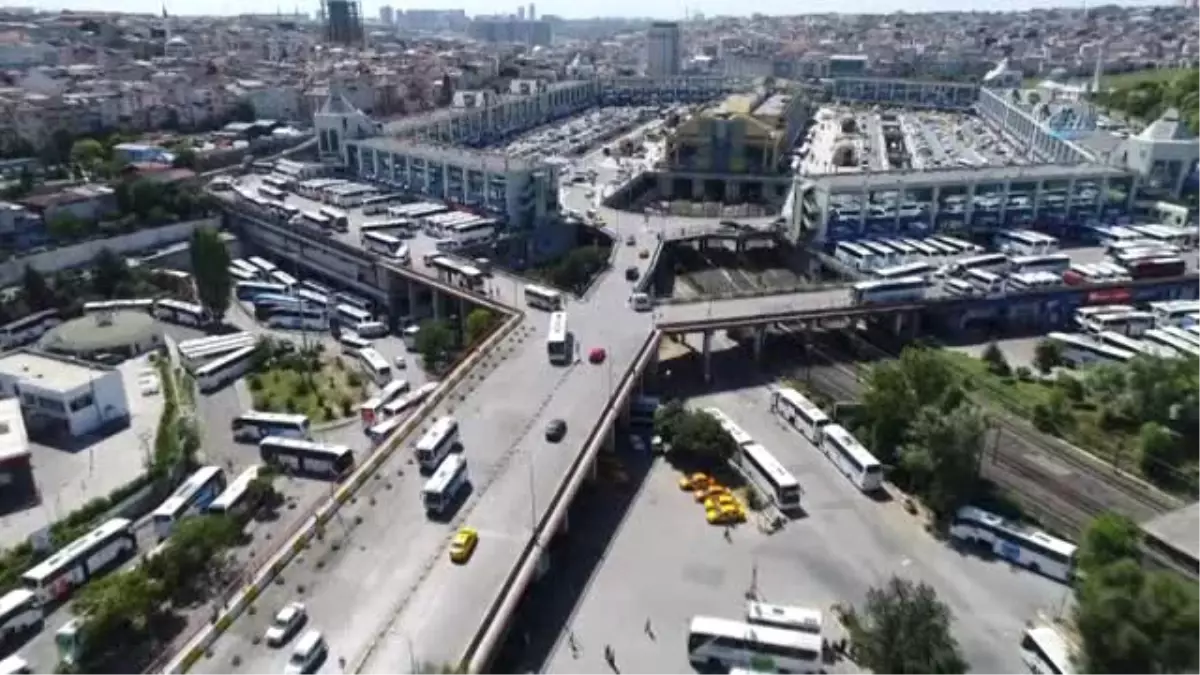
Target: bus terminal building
<point x="63" y="396"/>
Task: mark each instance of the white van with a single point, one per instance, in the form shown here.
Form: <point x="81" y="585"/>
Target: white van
<point x="641" y="302"/>
<point x="372" y="329"/>
<point x="307" y="655"/>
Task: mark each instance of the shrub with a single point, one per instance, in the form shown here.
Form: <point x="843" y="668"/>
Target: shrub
<point x="1024" y="374"/>
<point x="328" y="410"/>
<point x="347" y="406"/>
<point x="354" y="380"/>
<point x="292" y="405"/>
<point x="254" y="382"/>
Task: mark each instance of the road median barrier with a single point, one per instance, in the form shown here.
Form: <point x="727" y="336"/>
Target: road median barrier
<point x="199" y="643"/>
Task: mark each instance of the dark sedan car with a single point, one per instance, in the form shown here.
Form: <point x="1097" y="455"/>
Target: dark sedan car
<point x="555" y="430"/>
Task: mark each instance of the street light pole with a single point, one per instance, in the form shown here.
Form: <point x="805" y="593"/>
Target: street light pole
<point x="532" y="499"/>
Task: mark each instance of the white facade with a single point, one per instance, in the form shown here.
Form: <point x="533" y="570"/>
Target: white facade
<point x="78" y="397"/>
<point x="663" y="49"/>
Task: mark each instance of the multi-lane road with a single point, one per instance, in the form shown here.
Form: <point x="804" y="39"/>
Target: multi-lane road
<point x="380" y="585"/>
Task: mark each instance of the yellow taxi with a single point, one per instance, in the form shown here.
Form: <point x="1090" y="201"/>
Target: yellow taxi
<point x="463" y="545"/>
<point x="724" y="515"/>
<point x="694" y="481"/>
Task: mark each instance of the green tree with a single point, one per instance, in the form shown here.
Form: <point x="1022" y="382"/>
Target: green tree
<point x="144" y="196"/>
<point x="994" y="358"/>
<point x="896" y="390"/>
<point x="1133" y="621"/>
<point x="185" y="158"/>
<point x="88" y="152"/>
<point x="210" y="268"/>
<point x="190" y="562"/>
<point x="1047" y="356"/>
<point x="700" y="434"/>
<point x="576" y="269"/>
<point x="1109" y="538"/>
<point x="1159" y="452"/>
<point x="109" y="273"/>
<point x="942" y="455"/>
<point x="903" y="628"/>
<point x="435" y="341"/>
<point x="65" y="227"/>
<point x="38" y="294"/>
<point x="117" y="611"/>
<point x="479" y="324"/>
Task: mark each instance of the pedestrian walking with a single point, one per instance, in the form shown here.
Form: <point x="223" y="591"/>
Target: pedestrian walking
<point x="609" y="655"/>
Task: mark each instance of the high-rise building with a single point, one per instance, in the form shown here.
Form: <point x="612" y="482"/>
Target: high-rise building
<point x="663" y="49"/>
<point x="387" y="16"/>
<point x="343" y="22"/>
<point x="521" y="13"/>
<point x="532" y="12"/>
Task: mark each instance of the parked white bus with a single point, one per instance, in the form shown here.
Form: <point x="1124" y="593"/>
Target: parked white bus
<point x="773" y="480"/>
<point x="178" y="311"/>
<point x="851" y="458"/>
<point x="191" y="497"/>
<point x="1015" y="542"/>
<point x="230" y="501"/>
<point x="375" y="366"/>
<point x="855" y="256"/>
<point x="1054" y="262"/>
<point x="541" y="297"/>
<point x="802" y="619"/>
<point x="89" y="556"/>
<point x="439" y="441"/>
<point x="1078" y="350"/>
<point x="444" y="486"/>
<point x="20" y="615"/>
<point x="1172" y="312"/>
<point x="255" y="425"/>
<point x="264" y="266"/>
<point x="802" y="414"/>
<point x="724" y="644"/>
<point x="371" y="408"/>
<point x="1047" y="651"/>
<point x="738" y="434"/>
<point x="1180" y="345"/>
<point x="905" y="289"/>
<point x="912" y="269"/>
<point x="302" y="457"/>
<point x="988" y="262"/>
<point x="216" y="374"/>
<point x="558" y="340"/>
<point x="1026" y="243"/>
<point x="1132" y="323"/>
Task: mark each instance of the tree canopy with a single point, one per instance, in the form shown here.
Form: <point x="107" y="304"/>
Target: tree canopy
<point x="942" y="454"/>
<point x="574" y="271"/>
<point x="435" y="342"/>
<point x="694" y="432"/>
<point x="479" y="324"/>
<point x="903" y="628"/>
<point x="210" y="268"/>
<point x="1148" y="98"/>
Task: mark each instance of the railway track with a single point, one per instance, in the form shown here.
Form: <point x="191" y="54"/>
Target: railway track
<point x="1066" y="487"/>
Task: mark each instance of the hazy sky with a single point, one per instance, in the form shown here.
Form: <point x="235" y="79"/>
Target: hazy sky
<point x="567" y="8"/>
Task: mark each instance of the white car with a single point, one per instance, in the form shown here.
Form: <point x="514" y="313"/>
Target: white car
<point x="400" y="363"/>
<point x="285" y="624"/>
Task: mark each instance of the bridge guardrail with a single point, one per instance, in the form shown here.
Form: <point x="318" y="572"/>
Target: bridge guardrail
<point x="484" y="641"/>
<point x="199" y="644"/>
<point x="756" y="293"/>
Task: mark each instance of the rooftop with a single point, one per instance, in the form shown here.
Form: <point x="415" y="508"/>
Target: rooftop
<point x="995" y="174"/>
<point x="480" y="160"/>
<point x="14" y="442"/>
<point x="1179" y="530"/>
<point x="48" y="372"/>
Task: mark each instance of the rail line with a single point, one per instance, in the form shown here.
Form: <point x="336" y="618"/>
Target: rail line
<point x="1066" y="488"/>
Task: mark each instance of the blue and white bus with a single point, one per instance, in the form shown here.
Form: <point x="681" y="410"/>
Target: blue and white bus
<point x="255" y="425"/>
<point x="1015" y="542"/>
<point x="439" y="441"/>
<point x="904" y="289"/>
<point x="230" y="501"/>
<point x="1180" y="345"/>
<point x="216" y="374"/>
<point x="91" y="555"/>
<point x="346" y="298"/>
<point x="1172" y="312"/>
<point x="304" y="317"/>
<point x="310" y="285"/>
<point x="997" y="263"/>
<point x="351" y="315"/>
<point x="192" y="497"/>
<point x="247" y="291"/>
<point x="1078" y="350"/>
<point x="884" y="255"/>
<point x="444" y="486"/>
<point x="28" y="328"/>
<point x="241" y="275"/>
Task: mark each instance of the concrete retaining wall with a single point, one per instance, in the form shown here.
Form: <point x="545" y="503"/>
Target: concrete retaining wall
<point x="78" y="255"/>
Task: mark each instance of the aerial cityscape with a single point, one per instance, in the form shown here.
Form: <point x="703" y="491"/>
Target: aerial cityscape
<point x="340" y="339"/>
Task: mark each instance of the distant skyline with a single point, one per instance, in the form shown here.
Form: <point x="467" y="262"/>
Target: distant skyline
<point x="573" y="9"/>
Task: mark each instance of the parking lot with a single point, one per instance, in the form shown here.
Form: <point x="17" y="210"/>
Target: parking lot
<point x="578" y="134"/>
<point x="720" y="271"/>
<point x="888" y="139"/>
<point x="843" y="544"/>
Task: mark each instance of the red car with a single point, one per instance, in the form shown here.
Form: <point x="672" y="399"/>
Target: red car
<point x="597" y="355"/>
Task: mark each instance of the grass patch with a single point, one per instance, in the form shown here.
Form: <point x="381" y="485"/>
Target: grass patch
<point x="1138" y="76"/>
<point x="330" y="393"/>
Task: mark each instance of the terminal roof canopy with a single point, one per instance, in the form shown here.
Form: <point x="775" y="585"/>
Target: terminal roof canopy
<point x="1179" y="530"/>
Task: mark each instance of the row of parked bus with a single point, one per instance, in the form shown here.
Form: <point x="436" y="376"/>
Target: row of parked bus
<point x="871" y="254"/>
